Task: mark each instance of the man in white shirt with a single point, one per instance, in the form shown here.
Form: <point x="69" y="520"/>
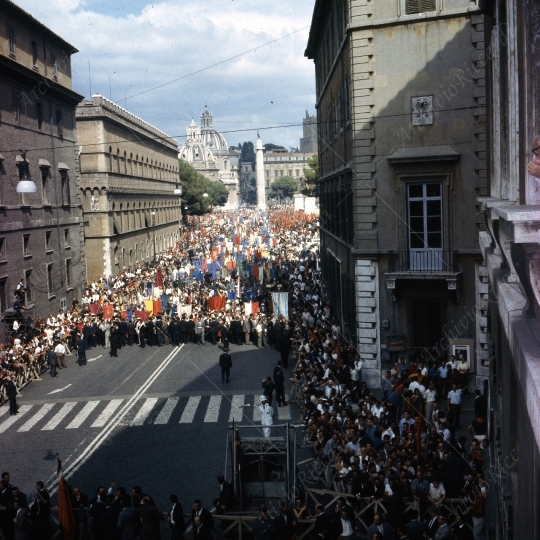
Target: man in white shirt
<point x="430" y="396"/>
<point x="454" y="405"/>
<point x="60" y="351"/>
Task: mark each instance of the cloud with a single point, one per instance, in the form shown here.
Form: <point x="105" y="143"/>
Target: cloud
<point x="138" y="47"/>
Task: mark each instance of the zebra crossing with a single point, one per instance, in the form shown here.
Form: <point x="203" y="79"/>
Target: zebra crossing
<point x="240" y="408"/>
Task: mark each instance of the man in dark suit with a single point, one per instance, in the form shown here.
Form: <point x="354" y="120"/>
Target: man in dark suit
<point x="158" y="324"/>
<point x="225" y="363"/>
<point x="19" y="497"/>
<point x="51" y="360"/>
<point x="381" y="527"/>
<point x="114" y="340"/>
<point x="226" y="499"/>
<point x="433" y="520"/>
<point x="279" y="382"/>
<point x="182" y="325"/>
<point x="122" y="332"/>
<point x="285" y="346"/>
<point x="201" y="530"/>
<point x="175" y="518"/>
<point x="190" y="329"/>
<point x="322" y="520"/>
<point x="11" y="392"/>
<point x="214" y="329"/>
<point x="130" y="332"/>
<point x="81" y="350"/>
<point x="343" y="526"/>
<point x="203" y="513"/>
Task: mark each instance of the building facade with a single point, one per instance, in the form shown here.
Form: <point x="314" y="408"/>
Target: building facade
<point x="207" y="151"/>
<point x="308" y="142"/>
<point x="129" y="170"/>
<point x="509" y="273"/>
<point x="402" y="156"/>
<point x="278" y="163"/>
<point x="41" y="233"/>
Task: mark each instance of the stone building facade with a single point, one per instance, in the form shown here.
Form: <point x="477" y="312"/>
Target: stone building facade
<point x="282" y="163"/>
<point x="509" y="274"/>
<point x="129" y="170"/>
<point x="402" y="152"/>
<point x="41" y="233"/>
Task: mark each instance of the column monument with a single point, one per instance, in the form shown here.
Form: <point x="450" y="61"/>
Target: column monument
<point x="261" y="191"/>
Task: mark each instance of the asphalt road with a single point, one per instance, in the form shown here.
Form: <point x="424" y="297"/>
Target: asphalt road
<point x="154" y="417"/>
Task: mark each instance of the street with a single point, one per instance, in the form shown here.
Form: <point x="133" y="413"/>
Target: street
<point x="154" y="417"/>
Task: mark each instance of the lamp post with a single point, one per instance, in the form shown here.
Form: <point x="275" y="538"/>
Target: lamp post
<point x="25" y="185"/>
<point x="154" y="232"/>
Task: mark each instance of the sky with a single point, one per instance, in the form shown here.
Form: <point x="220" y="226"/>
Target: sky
<point x="144" y="56"/>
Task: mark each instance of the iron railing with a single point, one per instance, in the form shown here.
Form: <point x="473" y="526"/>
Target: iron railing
<point x="433" y="261"/>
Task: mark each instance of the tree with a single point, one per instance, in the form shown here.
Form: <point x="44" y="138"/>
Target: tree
<point x="269" y="147"/>
<point x="248" y="152"/>
<point x="311" y="174"/>
<point x="284" y="184"/>
<point x="219" y="194"/>
<point x="194" y="185"/>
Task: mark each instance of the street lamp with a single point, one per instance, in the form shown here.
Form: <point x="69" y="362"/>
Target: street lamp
<point x="178" y="189"/>
<point x="25" y="185"/>
<point x="154" y="232"/>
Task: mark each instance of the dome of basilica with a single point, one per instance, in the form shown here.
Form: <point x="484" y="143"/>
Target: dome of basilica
<point x="210" y="137"/>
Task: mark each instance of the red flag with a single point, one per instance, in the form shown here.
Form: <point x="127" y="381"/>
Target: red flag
<point x="65" y="510"/>
<point x="159" y="278"/>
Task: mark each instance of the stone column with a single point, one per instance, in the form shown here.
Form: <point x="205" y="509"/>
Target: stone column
<point x="261" y="187"/>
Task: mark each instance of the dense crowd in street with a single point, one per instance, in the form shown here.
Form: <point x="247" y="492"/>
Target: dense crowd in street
<point x="399" y="448"/>
<point x="215" y="285"/>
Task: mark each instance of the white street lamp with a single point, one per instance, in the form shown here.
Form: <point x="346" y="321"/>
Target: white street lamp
<point x="25" y="185"/>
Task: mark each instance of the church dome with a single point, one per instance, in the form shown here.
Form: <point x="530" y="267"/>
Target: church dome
<point x="210" y="137"/>
<point x="195" y="151"/>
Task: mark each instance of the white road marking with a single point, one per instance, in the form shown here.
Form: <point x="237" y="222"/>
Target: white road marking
<point x="4" y="410"/>
<point x="144" y="411"/>
<point x="191" y="408"/>
<point x="12" y="419"/>
<point x="82" y="415"/>
<point x="256" y="412"/>
<point x="59" y="390"/>
<point x="107" y="412"/>
<point x="237" y="412"/>
<point x="284" y="413"/>
<point x="94" y="359"/>
<point x="73" y="467"/>
<point x="37" y="417"/>
<point x="168" y="408"/>
<point x="212" y="412"/>
<point x="59" y="416"/>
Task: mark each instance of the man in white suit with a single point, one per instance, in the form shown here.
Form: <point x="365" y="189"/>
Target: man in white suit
<point x="266" y="415"/>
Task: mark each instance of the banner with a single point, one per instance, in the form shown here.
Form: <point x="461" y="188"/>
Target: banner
<point x="280" y="300"/>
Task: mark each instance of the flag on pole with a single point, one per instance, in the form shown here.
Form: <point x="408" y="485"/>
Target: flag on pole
<point x="66" y="516"/>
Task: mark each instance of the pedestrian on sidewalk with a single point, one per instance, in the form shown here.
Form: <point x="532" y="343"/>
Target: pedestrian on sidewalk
<point x="225" y="363"/>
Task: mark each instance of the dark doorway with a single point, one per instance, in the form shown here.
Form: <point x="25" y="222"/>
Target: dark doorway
<point x="427" y="321"/>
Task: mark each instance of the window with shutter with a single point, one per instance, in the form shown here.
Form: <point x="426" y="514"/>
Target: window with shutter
<point x="419" y="6"/>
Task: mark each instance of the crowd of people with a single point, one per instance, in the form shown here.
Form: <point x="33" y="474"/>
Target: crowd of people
<point x="399" y="448"/>
<point x="214" y="285"/>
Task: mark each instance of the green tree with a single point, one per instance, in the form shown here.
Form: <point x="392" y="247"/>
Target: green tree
<point x="269" y="147"/>
<point x="248" y="152"/>
<point x="284" y="184"/>
<point x="311" y="175"/>
<point x="194" y="185"/>
<point x="219" y="194"/>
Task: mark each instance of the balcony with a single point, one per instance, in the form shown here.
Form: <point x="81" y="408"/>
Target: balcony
<point x="423" y="264"/>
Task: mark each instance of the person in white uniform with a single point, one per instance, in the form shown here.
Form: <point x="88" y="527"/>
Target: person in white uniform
<point x="266" y="415"/>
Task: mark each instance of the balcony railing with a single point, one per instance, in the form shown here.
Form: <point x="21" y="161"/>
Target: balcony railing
<point x="434" y="261"/>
